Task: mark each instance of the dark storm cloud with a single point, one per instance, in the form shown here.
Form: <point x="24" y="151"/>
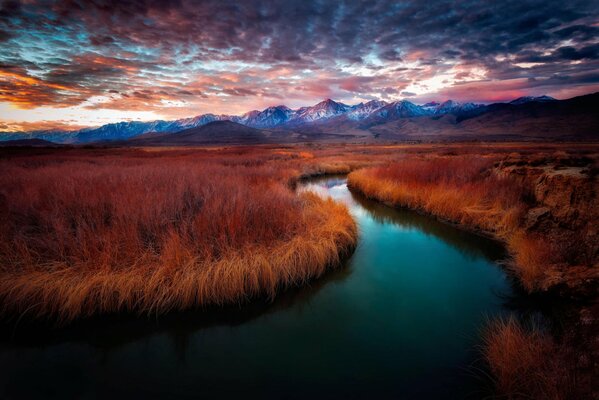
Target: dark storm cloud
<point x="300" y="30"/>
<point x="4" y="35"/>
<point x="570" y="53"/>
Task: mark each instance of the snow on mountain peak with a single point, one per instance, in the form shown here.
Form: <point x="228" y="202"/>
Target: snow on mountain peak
<point x="529" y="99"/>
<point x="323" y="110"/>
<point x="363" y="110"/>
<point x="279" y="116"/>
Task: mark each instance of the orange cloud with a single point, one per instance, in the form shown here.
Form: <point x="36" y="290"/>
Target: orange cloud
<point x="25" y="91"/>
<point x="38" y="126"/>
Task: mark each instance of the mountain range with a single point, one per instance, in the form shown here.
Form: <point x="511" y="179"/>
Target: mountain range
<point x="525" y="117"/>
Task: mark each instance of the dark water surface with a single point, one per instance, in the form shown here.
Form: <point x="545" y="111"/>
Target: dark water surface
<point x="401" y="319"/>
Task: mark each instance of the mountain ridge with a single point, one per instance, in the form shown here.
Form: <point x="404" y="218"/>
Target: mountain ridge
<point x="327" y="117"/>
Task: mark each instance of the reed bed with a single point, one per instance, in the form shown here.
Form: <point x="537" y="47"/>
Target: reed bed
<point x="460" y="189"/>
<point x="84" y="234"/>
<point x="500" y="194"/>
<point x="526" y="362"/>
<point x="470" y="191"/>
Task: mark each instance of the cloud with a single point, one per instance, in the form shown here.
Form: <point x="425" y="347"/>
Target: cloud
<point x="182" y="56"/>
<point x="41" y="125"/>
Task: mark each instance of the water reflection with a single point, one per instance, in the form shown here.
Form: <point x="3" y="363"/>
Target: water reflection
<point x="112" y="331"/>
<point x="468" y="243"/>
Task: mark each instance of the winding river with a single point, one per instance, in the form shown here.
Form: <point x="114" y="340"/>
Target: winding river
<point x="402" y="319"/>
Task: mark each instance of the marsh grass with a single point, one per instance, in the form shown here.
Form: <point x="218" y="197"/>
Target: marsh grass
<point x="526" y="362"/>
<point x="469" y="191"/>
<point x="85" y="234"/>
<point x="73" y="212"/>
<point x="460" y="189"/>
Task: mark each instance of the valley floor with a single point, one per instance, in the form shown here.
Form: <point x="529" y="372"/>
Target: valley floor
<point x="101" y="230"/>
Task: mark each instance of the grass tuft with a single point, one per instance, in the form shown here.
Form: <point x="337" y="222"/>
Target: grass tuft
<point x="526" y="363"/>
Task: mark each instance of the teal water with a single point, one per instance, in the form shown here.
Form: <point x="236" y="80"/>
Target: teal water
<point x="401" y="319"/>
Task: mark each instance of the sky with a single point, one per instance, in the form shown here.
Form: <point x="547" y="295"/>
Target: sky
<point x="69" y="64"/>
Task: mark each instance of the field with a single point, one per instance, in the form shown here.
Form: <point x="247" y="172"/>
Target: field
<point x="90" y="231"/>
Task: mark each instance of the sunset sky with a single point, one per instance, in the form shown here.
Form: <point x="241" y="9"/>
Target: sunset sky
<point x="68" y="64"/>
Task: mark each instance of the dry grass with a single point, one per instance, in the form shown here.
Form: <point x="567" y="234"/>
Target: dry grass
<point x="526" y="363"/>
<point x="87" y="231"/>
<point x="459" y="189"/>
<point x="472" y="191"/>
<point x="94" y="233"/>
<point x="542" y="203"/>
<point x="74" y="213"/>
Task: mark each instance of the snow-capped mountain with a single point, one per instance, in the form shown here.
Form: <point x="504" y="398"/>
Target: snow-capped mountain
<point x="401" y="109"/>
<point x="271" y="117"/>
<point x="282" y="115"/>
<point x="199" y="120"/>
<point x="323" y="110"/>
<point x="529" y="99"/>
<point x="431" y="106"/>
<point x="125" y="130"/>
<point x="453" y="107"/>
<point x="363" y="115"/>
<point x="363" y="110"/>
<point x="394" y="111"/>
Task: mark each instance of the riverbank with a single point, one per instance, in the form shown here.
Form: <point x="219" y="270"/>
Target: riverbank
<point x="543" y="207"/>
<point x="544" y="214"/>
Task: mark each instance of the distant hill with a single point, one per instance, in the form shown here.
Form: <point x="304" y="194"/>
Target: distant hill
<point x="28" y="143"/>
<point x="573" y="118"/>
<point x="528" y="99"/>
<point x="227" y="132"/>
<point x="217" y="132"/>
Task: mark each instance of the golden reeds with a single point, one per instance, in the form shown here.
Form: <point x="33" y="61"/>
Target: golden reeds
<point x="469" y="191"/>
<point x="526" y="363"/>
<point x="88" y="235"/>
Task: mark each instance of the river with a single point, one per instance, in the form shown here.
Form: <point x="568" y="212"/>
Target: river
<point x="401" y="319"/>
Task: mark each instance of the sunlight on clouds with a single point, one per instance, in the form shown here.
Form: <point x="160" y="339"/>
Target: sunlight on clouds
<point x="173" y="103"/>
<point x="527" y="65"/>
<point x="440" y="81"/>
<point x="77" y="115"/>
